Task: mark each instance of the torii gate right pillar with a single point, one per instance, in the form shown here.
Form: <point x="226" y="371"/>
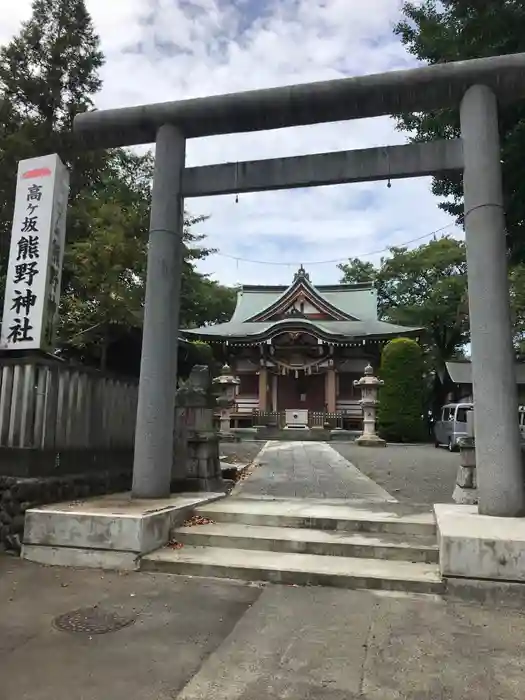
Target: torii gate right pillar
<point x="498" y="445"/>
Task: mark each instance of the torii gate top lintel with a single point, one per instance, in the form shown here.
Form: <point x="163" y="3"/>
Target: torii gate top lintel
<point x="413" y="90"/>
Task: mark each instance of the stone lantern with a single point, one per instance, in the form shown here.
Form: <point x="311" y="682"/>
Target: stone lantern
<point x="226" y="384"/>
<point x="369" y="386"/>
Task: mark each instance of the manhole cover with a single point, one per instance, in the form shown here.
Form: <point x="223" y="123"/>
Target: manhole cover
<point x="92" y="621"/>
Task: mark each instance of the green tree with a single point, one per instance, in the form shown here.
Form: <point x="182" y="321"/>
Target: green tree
<point x="105" y="298"/>
<point x="400" y="413"/>
<point x="517" y="302"/>
<point x="439" y="31"/>
<point x="48" y="74"/>
<point x="423" y="287"/>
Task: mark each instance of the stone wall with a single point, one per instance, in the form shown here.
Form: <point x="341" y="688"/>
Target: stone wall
<point x="18" y="494"/>
<point x="31" y="463"/>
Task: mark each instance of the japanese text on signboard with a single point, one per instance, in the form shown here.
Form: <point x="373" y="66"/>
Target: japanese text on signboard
<point x="26" y="269"/>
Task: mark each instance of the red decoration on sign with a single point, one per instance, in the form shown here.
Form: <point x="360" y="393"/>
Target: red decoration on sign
<point x="37" y="172"/>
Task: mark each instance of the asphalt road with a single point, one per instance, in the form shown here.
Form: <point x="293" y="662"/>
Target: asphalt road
<point x="197" y="639"/>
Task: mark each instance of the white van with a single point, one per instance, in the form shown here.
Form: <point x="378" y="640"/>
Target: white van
<point x="452" y="425"/>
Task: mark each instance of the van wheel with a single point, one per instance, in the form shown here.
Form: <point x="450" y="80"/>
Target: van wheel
<point x="436" y="444"/>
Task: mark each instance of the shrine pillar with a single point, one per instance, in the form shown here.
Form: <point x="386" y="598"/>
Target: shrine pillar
<point x="330" y="390"/>
<point x="263" y="389"/>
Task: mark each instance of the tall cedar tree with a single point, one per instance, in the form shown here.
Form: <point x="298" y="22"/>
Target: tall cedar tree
<point x="49" y="73"/>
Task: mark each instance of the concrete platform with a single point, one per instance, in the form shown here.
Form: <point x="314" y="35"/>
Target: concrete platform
<point x="346" y="515"/>
<point x="107" y="532"/>
<point x="478" y="546"/>
<point x="307" y="541"/>
<point x="298" y="569"/>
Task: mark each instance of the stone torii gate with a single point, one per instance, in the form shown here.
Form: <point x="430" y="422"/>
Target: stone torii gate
<point x="475" y="86"/>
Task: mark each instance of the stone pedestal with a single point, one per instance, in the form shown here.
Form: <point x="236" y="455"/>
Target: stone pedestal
<point x="475" y="546"/>
<point x="111" y="532"/>
<point x="466" y="489"/>
<point x="197" y="465"/>
<point x="370" y="441"/>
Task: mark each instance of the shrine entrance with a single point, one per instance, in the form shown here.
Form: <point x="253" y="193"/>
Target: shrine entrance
<point x="303" y="392"/>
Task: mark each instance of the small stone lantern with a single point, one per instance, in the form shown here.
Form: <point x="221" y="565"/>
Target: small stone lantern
<point x="226" y="384"/>
<point x="369" y="386"/>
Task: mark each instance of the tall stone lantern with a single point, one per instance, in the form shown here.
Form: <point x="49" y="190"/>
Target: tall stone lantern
<point x="369" y="386"/>
<point x="226" y="384"/>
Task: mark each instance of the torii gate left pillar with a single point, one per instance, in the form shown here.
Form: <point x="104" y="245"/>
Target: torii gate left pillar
<point x="153" y="458"/>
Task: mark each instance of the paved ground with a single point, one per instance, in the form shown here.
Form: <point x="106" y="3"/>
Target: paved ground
<point x="199" y="639"/>
<point x="307" y="470"/>
<point x="180" y="622"/>
<point x="421" y="474"/>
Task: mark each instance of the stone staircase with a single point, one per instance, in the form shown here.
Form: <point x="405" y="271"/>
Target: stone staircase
<point x="349" y="544"/>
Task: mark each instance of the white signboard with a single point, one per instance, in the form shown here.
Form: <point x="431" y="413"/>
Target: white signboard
<point x="32" y="291"/>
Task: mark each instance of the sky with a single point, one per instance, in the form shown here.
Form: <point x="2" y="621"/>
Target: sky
<point x="163" y="50"/>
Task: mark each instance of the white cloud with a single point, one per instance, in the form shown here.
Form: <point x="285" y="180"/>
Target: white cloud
<point x="160" y="50"/>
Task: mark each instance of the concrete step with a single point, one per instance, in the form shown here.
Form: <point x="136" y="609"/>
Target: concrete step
<point x="346" y="516"/>
<point x="298" y="569"/>
<point x="307" y="541"/>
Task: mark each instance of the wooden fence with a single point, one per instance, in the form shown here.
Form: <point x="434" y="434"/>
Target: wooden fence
<point x="49" y="404"/>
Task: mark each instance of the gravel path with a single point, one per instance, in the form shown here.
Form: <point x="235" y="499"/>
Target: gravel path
<point x="244" y="452"/>
<point x="421" y="474"/>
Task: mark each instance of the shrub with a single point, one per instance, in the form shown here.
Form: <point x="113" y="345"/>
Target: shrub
<point x="401" y="398"/>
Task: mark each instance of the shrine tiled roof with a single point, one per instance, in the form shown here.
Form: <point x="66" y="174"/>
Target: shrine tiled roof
<point x="357" y="300"/>
<point x="337" y="331"/>
<point x="337" y="313"/>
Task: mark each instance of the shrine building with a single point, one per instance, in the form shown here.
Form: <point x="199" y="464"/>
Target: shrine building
<point x="300" y="348"/>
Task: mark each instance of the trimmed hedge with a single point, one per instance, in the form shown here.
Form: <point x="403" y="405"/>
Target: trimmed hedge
<point x="401" y="398"/>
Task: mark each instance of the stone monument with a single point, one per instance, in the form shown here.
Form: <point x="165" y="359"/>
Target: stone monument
<point x="226" y="384"/>
<point x="369" y="385"/>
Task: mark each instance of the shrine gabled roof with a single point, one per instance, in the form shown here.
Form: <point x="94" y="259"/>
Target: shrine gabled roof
<point x="335" y="331"/>
<point x="341" y="301"/>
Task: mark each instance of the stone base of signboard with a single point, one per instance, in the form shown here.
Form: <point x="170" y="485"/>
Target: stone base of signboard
<point x="111" y="532"/>
<point x="20" y="494"/>
<point x="475" y="546"/>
